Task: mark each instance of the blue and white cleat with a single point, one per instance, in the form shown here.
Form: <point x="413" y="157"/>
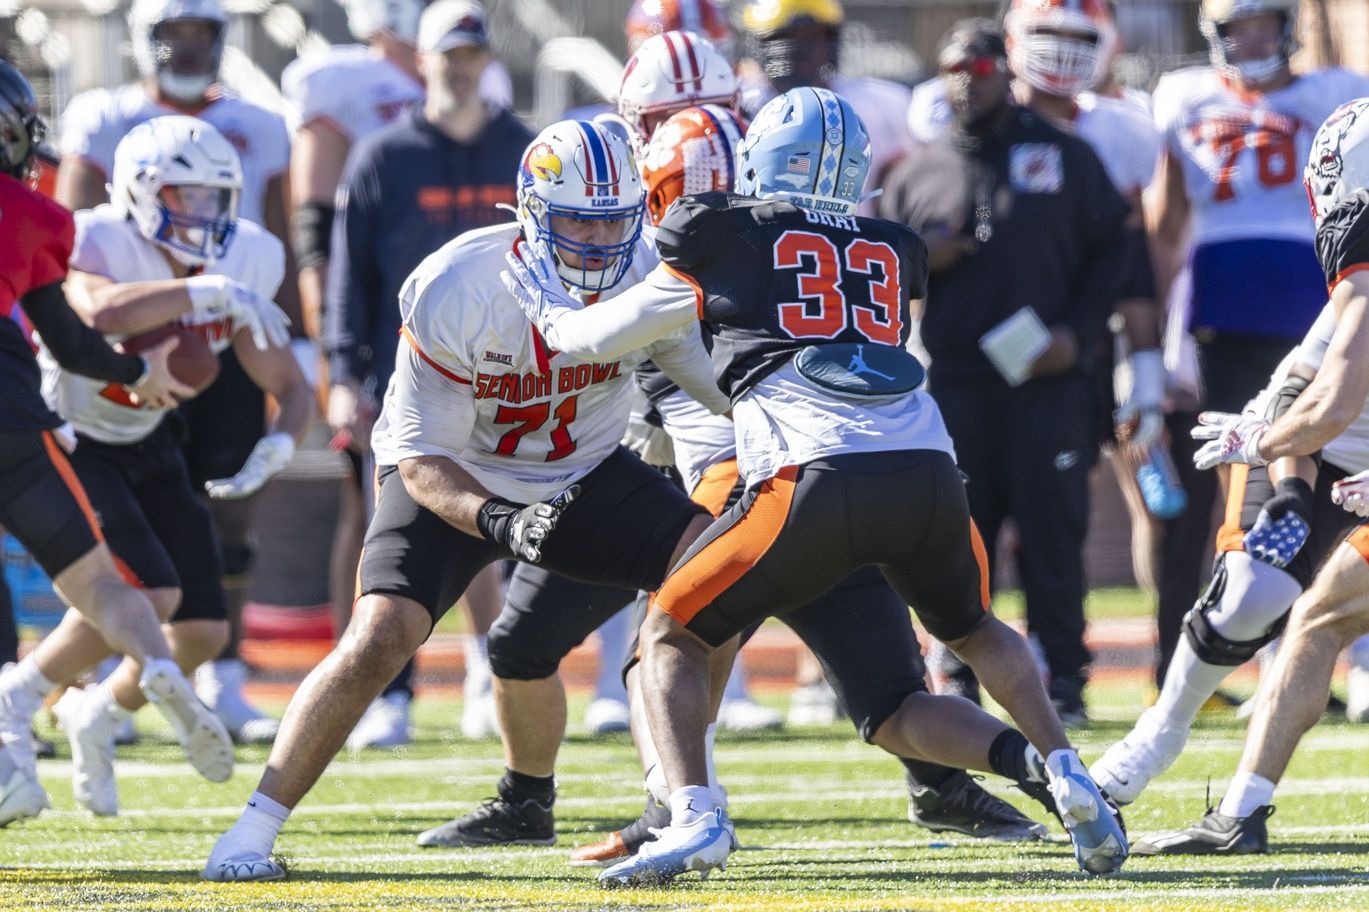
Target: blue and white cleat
<point x="1100" y="843"/>
<point x="702" y="846"/>
<point x="20" y="797"/>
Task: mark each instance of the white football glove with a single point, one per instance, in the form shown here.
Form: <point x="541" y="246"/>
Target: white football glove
<point x="1145" y="401"/>
<point x="1231" y="439"/>
<point x="534" y="283"/>
<point x="271" y="454"/>
<point x="1352" y="494"/>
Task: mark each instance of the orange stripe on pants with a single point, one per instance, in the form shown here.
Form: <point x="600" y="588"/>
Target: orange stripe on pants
<point x="716" y="486"/>
<point x="981" y="557"/>
<point x="697" y="583"/>
<point x="1231" y="537"/>
<point x="68" y="474"/>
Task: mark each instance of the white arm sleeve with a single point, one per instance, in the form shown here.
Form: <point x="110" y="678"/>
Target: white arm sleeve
<point x="650" y="310"/>
<point x="685" y="361"/>
<point x="426" y="414"/>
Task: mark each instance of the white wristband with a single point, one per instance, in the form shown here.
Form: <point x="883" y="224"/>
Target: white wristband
<point x="208" y="294"/>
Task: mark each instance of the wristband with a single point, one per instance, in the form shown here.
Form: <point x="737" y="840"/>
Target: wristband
<point x="494" y="518"/>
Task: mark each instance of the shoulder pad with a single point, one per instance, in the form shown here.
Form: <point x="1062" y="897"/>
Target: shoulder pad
<point x="682" y="237"/>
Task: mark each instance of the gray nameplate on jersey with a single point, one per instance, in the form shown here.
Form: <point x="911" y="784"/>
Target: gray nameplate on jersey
<point x="861" y="370"/>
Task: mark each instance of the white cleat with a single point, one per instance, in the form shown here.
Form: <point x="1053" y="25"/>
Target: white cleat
<point x="21" y="797"/>
<point x="91" y="733"/>
<point x="1357" y="694"/>
<point x="746" y="715"/>
<point x="1126" y="768"/>
<point x="219" y="684"/>
<point x="385" y="724"/>
<point x="234" y="864"/>
<point x="203" y="737"/>
<point x="814" y="704"/>
<point x="606" y="715"/>
<point x="702" y="846"/>
<point x="17" y="708"/>
<point x="480" y="717"/>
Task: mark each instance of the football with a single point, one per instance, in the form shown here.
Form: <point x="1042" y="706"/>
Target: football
<point x="192" y="362"/>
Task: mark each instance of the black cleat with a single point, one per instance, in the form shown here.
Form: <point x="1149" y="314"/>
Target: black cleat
<point x="505" y="820"/>
<point x="1215" y="834"/>
<point x="960" y="805"/>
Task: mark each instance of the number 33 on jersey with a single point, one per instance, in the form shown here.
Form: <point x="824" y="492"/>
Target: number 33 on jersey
<point x="833" y="278"/>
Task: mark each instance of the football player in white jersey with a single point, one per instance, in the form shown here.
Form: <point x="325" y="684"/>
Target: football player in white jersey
<point x="175" y="188"/>
<point x="827" y="432"/>
<point x="178" y="46"/>
<point x="796" y="42"/>
<point x="1234" y="134"/>
<point x="487" y="439"/>
<point x="1330" y="415"/>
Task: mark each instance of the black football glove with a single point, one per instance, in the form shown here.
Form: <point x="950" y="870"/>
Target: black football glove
<point x="523" y="529"/>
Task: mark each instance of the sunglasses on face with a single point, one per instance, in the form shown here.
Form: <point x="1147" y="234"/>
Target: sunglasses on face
<point x="972" y="66"/>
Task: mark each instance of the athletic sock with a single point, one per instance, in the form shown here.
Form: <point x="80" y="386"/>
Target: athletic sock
<point x="689" y="804"/>
<point x="1189" y="682"/>
<point x="654" y="816"/>
<point x="710" y="735"/>
<point x="1008" y="756"/>
<point x="260" y="823"/>
<point x="1246" y="794"/>
<point x="521" y="787"/>
<point x="102" y="697"/>
<point x="26" y="677"/>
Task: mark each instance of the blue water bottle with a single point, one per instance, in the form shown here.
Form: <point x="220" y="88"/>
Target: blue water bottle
<point x="1158" y="479"/>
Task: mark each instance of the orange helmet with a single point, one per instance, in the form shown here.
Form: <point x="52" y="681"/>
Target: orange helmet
<point x="693" y="152"/>
<point x="655" y="17"/>
<point x="1060" y="46"/>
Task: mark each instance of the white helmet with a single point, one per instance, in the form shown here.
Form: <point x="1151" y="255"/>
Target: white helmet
<point x="178" y="179"/>
<point x="1060" y="46"/>
<point x="668" y="73"/>
<point x="1338" y="165"/>
<point x="398" y="17"/>
<point x="1214" y="18"/>
<point x="580" y="170"/>
<point x="182" y="71"/>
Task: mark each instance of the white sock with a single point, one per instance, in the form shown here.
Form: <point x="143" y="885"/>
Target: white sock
<point x="1189" y="681"/>
<point x="710" y="735"/>
<point x="689" y="804"/>
<point x="1246" y="794"/>
<point x="613" y="639"/>
<point x="260" y="823"/>
<point x="26" y="676"/>
<point x="479" y="678"/>
<point x="736" y="682"/>
<point x="102" y="696"/>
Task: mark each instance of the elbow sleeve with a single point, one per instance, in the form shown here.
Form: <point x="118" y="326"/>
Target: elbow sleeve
<point x="312" y="233"/>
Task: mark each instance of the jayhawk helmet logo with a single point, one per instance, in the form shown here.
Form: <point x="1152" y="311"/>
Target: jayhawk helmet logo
<point x="543" y="163"/>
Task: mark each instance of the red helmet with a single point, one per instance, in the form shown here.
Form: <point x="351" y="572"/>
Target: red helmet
<point x="693" y="152"/>
<point x="655" y="17"/>
<point x="1060" y="46"/>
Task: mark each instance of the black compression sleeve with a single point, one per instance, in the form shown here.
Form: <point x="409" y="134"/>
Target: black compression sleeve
<point x="76" y="346"/>
<point x="313" y="233"/>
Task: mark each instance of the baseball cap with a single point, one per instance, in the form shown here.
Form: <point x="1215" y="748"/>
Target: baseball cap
<point x="449" y="24"/>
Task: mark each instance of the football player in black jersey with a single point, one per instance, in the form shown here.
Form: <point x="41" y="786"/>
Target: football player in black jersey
<point x="1331" y="414"/>
<point x="847" y="463"/>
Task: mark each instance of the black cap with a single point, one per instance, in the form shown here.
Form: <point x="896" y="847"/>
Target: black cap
<point x="976" y="37"/>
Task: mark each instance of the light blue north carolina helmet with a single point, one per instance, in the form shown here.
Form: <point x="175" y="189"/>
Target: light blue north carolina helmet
<point x="808" y="148"/>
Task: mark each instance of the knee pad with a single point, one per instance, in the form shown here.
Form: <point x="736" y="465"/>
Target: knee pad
<point x="1243" y="609"/>
<point x="1281" y="529"/>
<point x="514" y="659"/>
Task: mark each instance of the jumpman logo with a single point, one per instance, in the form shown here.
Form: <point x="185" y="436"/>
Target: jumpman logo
<point x="858" y="365"/>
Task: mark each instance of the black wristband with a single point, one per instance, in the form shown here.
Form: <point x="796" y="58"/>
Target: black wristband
<point x="494" y="518"/>
<point x="313" y="233"/>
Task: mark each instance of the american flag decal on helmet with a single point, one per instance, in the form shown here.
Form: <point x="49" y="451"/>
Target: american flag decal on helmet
<point x="601" y="170"/>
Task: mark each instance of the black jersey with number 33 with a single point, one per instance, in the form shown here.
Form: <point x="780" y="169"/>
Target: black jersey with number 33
<point x="773" y="279"/>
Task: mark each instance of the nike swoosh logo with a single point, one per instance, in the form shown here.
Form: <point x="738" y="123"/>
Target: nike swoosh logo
<point x="251" y="804"/>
